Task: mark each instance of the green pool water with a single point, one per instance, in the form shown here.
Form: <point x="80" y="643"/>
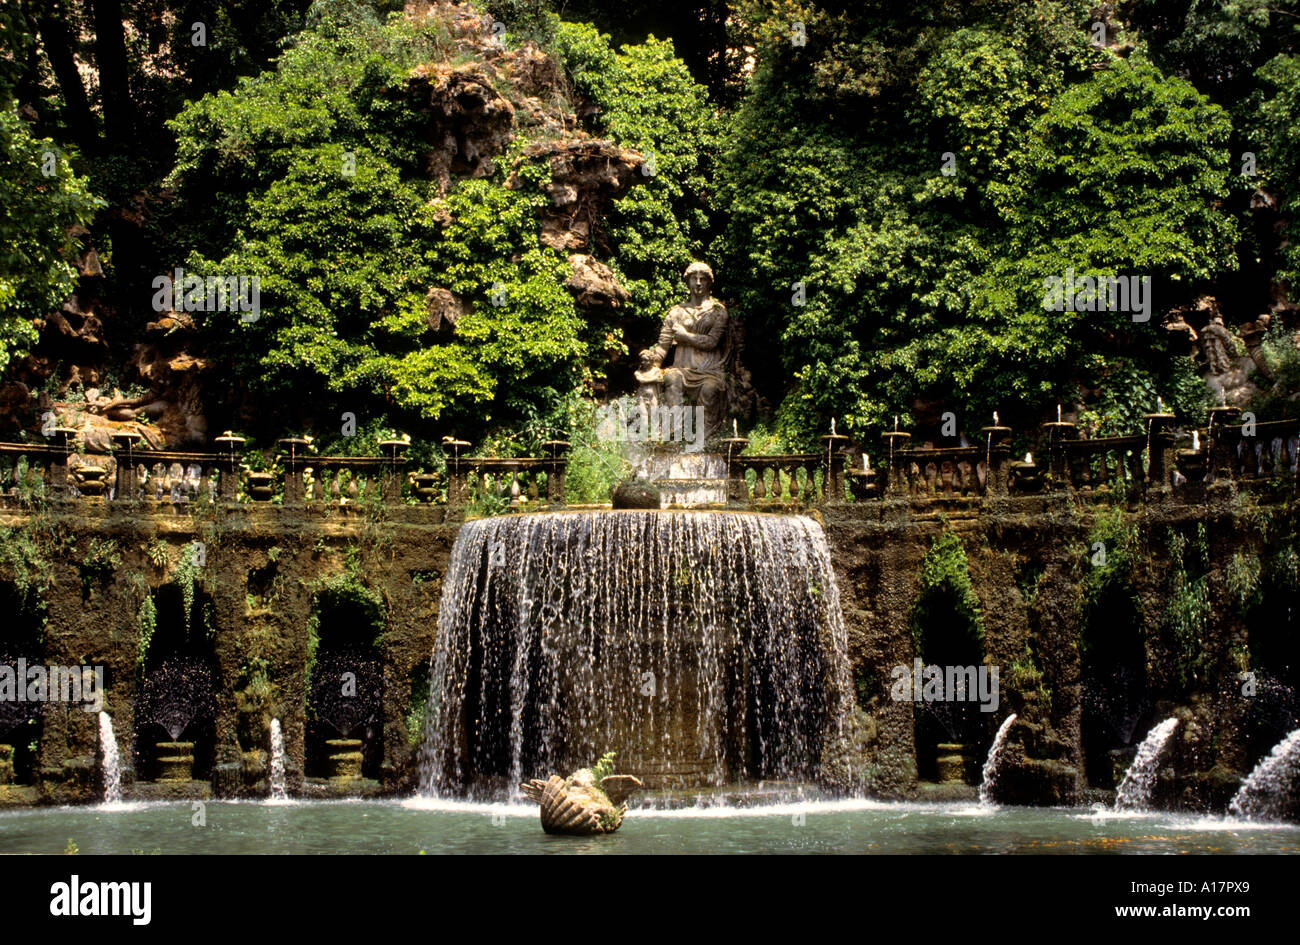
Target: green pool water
<point x="435" y="826"/>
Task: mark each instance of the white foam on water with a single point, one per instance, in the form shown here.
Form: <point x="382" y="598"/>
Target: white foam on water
<point x="452" y="806"/>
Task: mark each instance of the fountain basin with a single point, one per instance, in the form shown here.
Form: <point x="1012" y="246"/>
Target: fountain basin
<point x="261" y="486"/>
<point x="1026" y="477"/>
<point x="93" y="483"/>
<point x="442" y="826"/>
<point x="691" y="493"/>
<point x="1193" y="464"/>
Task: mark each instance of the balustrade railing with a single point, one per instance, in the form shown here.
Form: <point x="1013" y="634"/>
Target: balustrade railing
<point x="786" y="479"/>
<point x="1267" y="452"/>
<point x="941" y="473"/>
<point x="1106" y="464"/>
<point x="28" y="471"/>
<point x="1139" y="465"/>
<point x="518" y="482"/>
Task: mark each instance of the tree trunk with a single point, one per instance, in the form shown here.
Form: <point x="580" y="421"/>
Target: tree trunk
<point x="57" y="39"/>
<point x="110" y="57"/>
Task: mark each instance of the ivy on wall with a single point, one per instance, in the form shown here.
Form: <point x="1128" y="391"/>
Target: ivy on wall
<point x="1188" y="610"/>
<point x="946" y="591"/>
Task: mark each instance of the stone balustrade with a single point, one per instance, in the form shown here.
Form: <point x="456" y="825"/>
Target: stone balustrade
<point x="797" y="478"/>
<point x="34" y="472"/>
<point x="1142" y="465"/>
<point x="1105" y="464"/>
<point x="521" y="482"/>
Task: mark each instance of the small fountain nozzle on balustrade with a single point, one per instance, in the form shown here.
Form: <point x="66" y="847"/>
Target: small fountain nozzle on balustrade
<point x="1026" y="475"/>
<point x="1193" y="463"/>
<point x="231" y="443"/>
<point x="733" y="446"/>
<point x="862" y="480"/>
<point x="895" y="440"/>
<point x="835" y="443"/>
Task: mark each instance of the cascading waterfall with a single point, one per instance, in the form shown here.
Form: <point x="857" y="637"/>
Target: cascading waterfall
<point x="700" y="646"/>
<point x="1135" y="789"/>
<point x="991" y="762"/>
<point x="278" y="791"/>
<point x="112" y="768"/>
<point x="1261" y="795"/>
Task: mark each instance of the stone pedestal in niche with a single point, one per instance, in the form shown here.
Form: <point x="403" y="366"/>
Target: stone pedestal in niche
<point x="345" y="759"/>
<point x="175" y="761"/>
<point x="952" y="763"/>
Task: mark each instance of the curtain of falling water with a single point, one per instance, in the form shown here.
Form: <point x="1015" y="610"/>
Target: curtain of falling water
<point x="701" y="646"/>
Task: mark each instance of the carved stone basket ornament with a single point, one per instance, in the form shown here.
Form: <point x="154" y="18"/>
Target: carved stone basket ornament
<point x="576" y="806"/>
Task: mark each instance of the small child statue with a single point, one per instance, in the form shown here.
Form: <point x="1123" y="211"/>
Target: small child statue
<point x="650" y="377"/>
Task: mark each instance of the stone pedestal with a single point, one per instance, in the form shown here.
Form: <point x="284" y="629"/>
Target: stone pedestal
<point x="175" y="761"/>
<point x="952" y="763"/>
<point x="345" y="759"/>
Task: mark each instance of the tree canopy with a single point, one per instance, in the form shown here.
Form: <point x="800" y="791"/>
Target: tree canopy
<point x="885" y="191"/>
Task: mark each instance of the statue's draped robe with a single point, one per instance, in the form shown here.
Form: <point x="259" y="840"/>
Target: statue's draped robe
<point x="699" y="361"/>
<point x="704" y="356"/>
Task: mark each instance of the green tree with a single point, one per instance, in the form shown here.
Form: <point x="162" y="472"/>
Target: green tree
<point x="918" y="182"/>
<point x="40" y="216"/>
<point x="648" y="101"/>
<point x="312" y="179"/>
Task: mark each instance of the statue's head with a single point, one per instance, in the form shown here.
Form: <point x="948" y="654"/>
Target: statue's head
<point x="698" y="276"/>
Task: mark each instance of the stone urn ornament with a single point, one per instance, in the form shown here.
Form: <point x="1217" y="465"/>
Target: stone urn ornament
<point x="587" y="802"/>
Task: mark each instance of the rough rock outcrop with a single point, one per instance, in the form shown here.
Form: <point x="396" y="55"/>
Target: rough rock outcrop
<point x="594" y="284"/>
<point x="468" y="121"/>
<point x="586" y="175"/>
<point x="444" y="308"/>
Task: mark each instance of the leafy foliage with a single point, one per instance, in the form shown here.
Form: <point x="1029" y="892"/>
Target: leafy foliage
<point x="1188" y="610"/>
<point x="314" y="176"/>
<point x="40" y="217"/>
<point x="146" y="624"/>
<point x="882" y="197"/>
<point x="1110" y="568"/>
<point x="188" y="576"/>
<point x="100" y="559"/>
<point x="927" y="288"/>
<point x="648" y="101"/>
<point x="603" y="768"/>
<point x="946" y="595"/>
<point x="1242" y="579"/>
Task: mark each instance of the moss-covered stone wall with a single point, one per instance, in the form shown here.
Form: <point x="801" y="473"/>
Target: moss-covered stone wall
<point x="1175" y="588"/>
